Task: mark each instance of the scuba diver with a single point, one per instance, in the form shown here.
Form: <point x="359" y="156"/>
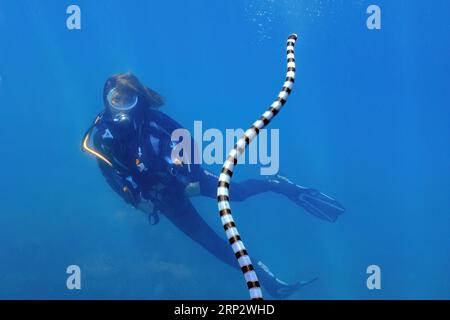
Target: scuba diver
<point x="131" y="139"/>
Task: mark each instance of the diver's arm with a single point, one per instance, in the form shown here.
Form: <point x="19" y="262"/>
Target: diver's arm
<point x="130" y="194"/>
<point x="120" y="185"/>
<point x="98" y="143"/>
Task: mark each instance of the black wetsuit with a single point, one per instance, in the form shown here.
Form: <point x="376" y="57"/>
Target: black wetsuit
<point x="142" y="169"/>
<point x="137" y="165"/>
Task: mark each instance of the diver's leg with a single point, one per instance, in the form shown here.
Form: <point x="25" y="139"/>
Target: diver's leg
<point x="313" y="201"/>
<point x="183" y="215"/>
<point x="239" y="191"/>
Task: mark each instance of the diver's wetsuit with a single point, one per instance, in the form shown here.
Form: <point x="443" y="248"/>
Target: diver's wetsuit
<point x="137" y="164"/>
<point x="142" y="168"/>
<point x="135" y="157"/>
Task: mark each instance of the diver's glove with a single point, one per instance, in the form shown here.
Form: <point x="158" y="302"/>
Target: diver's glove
<point x="313" y="201"/>
<point x="149" y="208"/>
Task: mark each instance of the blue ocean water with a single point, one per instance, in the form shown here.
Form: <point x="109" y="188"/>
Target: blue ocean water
<point x="368" y="123"/>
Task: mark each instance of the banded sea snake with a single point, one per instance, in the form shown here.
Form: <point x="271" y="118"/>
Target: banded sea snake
<point x="227" y="172"/>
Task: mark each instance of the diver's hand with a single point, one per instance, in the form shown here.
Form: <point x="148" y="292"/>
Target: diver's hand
<point x="149" y="208"/>
<point x="146" y="206"/>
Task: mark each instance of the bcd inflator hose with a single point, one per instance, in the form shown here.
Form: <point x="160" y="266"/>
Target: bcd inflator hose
<point x="223" y="197"/>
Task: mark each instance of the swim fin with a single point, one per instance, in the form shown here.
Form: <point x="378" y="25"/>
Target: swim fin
<point x="285" y="290"/>
<point x="276" y="287"/>
<point x="313" y="201"/>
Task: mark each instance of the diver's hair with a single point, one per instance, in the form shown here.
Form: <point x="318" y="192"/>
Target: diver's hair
<point x="128" y="81"/>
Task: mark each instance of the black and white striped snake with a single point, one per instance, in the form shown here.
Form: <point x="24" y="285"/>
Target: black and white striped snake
<point x="227" y="172"/>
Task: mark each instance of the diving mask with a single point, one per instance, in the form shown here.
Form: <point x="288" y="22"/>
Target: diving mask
<point x="120" y="102"/>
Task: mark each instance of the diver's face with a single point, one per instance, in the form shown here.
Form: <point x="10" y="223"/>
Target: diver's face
<point x="122" y="105"/>
<point x="121" y="101"/>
